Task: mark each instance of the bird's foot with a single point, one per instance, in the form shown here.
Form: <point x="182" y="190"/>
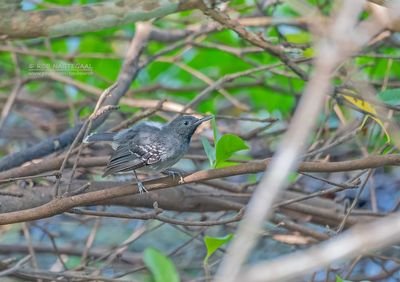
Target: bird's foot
<point x="174" y="173"/>
<point x="141" y="188"/>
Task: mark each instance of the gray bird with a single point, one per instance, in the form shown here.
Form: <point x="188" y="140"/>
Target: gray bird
<point x="149" y="146"/>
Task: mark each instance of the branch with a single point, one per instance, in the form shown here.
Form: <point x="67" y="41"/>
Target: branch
<point x="130" y="69"/>
<point x="359" y="240"/>
<point x="85" y="18"/>
<point x="61" y="205"/>
<point x="322" y="211"/>
<point x="252" y="167"/>
<point x="343" y="38"/>
<point x="155" y="215"/>
<point x="253" y="38"/>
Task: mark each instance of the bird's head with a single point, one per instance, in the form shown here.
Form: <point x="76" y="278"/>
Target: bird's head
<point x="185" y="126"/>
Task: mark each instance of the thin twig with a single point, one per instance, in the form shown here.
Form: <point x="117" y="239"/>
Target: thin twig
<point x="155" y="215"/>
<point x="17" y="266"/>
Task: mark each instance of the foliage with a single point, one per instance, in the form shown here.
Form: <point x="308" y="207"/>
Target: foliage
<point x="226" y="146"/>
<point x="214" y="243"/>
<point x="161" y="267"/>
<point x="339" y="279"/>
<point x="369" y="110"/>
<point x="390" y="96"/>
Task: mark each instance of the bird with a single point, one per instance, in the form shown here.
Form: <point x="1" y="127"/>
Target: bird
<point x="148" y="146"/>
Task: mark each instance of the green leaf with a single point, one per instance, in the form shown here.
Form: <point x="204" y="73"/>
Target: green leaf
<point x="390" y="96"/>
<point x="339" y="279"/>
<point x="59" y="45"/>
<point x="216" y="133"/>
<point x="73" y="261"/>
<point x="85" y="112"/>
<point x="214" y="243"/>
<point x="227" y="163"/>
<point x="262" y="98"/>
<point x="210" y="151"/>
<point x="226" y="146"/>
<point x="308" y="52"/>
<point x="206" y="106"/>
<point x="160" y="266"/>
<point x="292" y="177"/>
<point x="298" y="38"/>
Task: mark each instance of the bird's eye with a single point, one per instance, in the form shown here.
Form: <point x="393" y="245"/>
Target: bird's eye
<point x="186" y="123"/>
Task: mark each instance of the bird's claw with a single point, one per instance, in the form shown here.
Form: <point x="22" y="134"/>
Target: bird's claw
<point x="141" y="188"/>
<point x="174" y="174"/>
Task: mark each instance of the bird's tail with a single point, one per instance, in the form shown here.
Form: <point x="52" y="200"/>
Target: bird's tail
<point x="96" y="137"/>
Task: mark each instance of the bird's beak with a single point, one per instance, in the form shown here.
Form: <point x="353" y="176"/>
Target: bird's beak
<point x="203" y="120"/>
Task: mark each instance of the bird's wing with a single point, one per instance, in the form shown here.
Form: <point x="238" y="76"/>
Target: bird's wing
<point x="131" y="156"/>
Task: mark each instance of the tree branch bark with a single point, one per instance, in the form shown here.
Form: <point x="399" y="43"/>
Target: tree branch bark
<point x="61" y="205"/>
<point x="85" y="18"/>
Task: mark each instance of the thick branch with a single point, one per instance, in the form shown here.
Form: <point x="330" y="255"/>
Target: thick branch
<point x="60" y="205"/>
<point x="251" y="167"/>
<point x="85" y="18"/>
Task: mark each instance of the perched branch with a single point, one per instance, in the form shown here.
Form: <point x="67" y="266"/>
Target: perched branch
<point x="63" y="204"/>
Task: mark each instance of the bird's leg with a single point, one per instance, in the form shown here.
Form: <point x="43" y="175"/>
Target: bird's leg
<point x="173" y="173"/>
<point x="139" y="184"/>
